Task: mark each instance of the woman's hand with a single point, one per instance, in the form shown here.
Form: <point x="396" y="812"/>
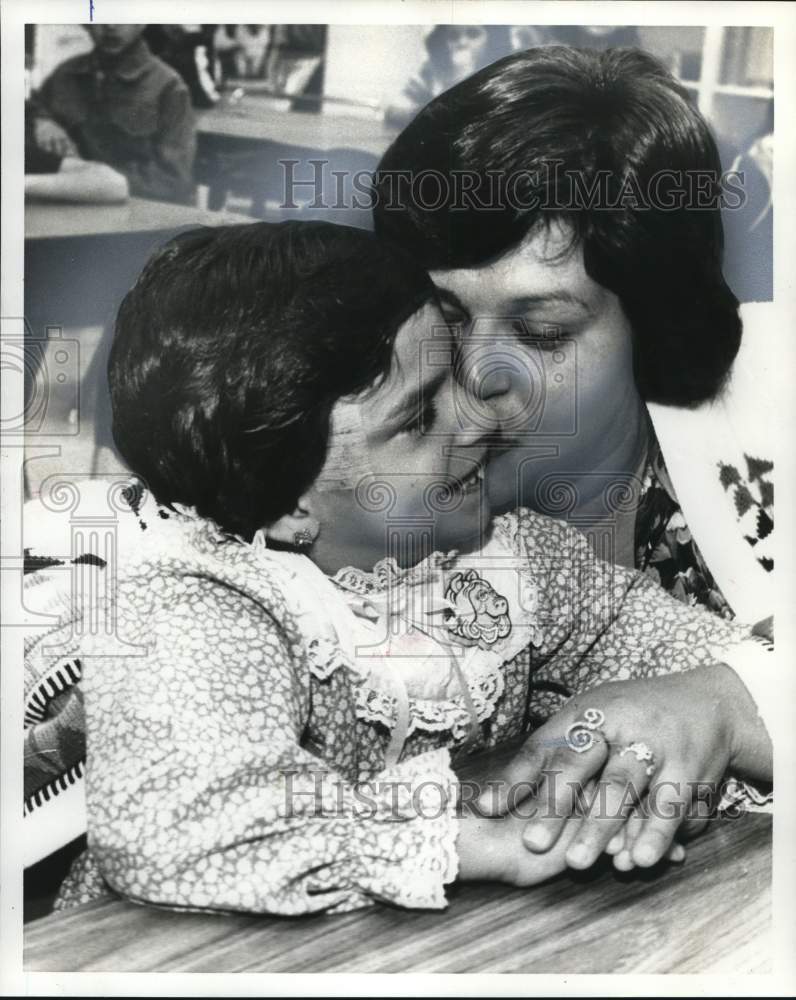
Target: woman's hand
<point x="698" y="724"/>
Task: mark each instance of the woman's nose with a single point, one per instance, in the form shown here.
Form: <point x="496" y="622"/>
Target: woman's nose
<point x="484" y="372"/>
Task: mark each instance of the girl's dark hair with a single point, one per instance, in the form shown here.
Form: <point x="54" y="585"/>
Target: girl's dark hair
<point x="517" y="133"/>
<point x="231" y="350"/>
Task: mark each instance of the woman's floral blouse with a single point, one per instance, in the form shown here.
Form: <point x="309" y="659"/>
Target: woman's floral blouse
<point x="263" y="738"/>
<point x="665" y="548"/>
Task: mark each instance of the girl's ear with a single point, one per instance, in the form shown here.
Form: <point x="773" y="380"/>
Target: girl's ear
<point x="299" y="528"/>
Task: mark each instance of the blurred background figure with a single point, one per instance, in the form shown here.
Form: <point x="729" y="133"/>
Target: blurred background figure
<point x="121" y="105"/>
<point x="453" y="52"/>
<point x="294" y="63"/>
<point x="251" y="41"/>
<point x="189" y="49"/>
<point x="225" y="46"/>
<point x="592" y="36"/>
<point x="749" y="228"/>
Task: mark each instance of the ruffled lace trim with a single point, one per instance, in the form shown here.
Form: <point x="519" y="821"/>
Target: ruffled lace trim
<point x="435" y="716"/>
<point x="484" y="673"/>
<point x="427" y="797"/>
<point x="387" y="574"/>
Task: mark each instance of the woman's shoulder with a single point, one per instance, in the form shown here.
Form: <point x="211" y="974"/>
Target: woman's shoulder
<point x="527" y="530"/>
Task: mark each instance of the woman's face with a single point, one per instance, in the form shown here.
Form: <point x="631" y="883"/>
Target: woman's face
<point x="413" y="454"/>
<point x="550" y="351"/>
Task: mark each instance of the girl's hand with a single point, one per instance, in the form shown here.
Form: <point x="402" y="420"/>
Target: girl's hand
<point x="698" y="725"/>
<point x="492" y="849"/>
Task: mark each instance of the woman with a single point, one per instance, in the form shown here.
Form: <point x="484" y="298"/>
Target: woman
<point x="314" y="610"/>
<point x="568" y="206"/>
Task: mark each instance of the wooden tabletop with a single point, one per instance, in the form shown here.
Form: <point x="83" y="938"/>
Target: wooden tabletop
<point x="253" y="117"/>
<point x="48" y="220"/>
<point x="712" y="914"/>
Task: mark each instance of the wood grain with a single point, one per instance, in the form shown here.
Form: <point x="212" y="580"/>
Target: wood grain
<point x="712" y="914"/>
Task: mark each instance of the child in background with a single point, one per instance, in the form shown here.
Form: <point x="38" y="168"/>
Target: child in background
<point x="52" y="177"/>
<point x="122" y="106"/>
<point x="316" y="610"/>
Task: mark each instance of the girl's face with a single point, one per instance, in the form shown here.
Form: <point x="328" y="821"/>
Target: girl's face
<point x="551" y="352"/>
<point x="413" y="451"/>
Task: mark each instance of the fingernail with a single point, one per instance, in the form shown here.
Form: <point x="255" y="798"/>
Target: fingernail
<point x="536" y="838"/>
<point x="614" y="845"/>
<point x="578" y="856"/>
<point x="677" y="853"/>
<point x="623" y="861"/>
<point x="645" y="855"/>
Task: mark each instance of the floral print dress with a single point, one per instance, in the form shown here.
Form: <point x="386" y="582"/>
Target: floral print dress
<point x="264" y="738"/>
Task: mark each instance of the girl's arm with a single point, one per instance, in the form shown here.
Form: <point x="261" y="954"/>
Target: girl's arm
<point x="201" y="794"/>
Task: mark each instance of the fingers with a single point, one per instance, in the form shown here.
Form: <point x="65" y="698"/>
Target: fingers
<point x="620" y="788"/>
<point x="561" y="793"/>
<point x="516" y="780"/>
<point x="668" y="808"/>
<point x="620" y="842"/>
<point x="623" y="859"/>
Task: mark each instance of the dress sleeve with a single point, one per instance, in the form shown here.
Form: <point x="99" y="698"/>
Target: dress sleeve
<point x="603" y="622"/>
<point x="202" y="795"/>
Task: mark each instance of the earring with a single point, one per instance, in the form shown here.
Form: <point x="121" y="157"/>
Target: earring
<point x="303" y="539"/>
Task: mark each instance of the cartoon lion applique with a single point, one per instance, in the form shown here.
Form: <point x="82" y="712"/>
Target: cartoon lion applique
<point x="479" y="615"/>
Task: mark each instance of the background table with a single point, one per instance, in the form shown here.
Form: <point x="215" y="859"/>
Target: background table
<point x="256" y="118"/>
<point x="242" y="145"/>
<point x="51" y="220"/>
<point x="712" y="914"/>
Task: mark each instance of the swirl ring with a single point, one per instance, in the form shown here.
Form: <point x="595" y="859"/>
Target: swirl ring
<point x="580" y="735"/>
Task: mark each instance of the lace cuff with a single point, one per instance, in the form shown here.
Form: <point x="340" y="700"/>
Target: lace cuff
<point x="408" y="857"/>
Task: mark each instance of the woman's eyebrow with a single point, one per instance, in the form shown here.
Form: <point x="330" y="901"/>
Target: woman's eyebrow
<point x="562" y="296"/>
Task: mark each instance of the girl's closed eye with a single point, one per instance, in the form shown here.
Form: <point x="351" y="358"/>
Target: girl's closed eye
<point x="423" y="420"/>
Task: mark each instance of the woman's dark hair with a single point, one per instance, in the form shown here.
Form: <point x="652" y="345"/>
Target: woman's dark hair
<point x="526" y="140"/>
<point x="232" y="348"/>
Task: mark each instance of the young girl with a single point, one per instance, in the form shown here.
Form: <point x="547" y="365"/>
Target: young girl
<point x="315" y="613"/>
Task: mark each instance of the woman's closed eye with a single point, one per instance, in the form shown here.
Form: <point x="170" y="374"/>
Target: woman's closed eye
<point x="547" y="336"/>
